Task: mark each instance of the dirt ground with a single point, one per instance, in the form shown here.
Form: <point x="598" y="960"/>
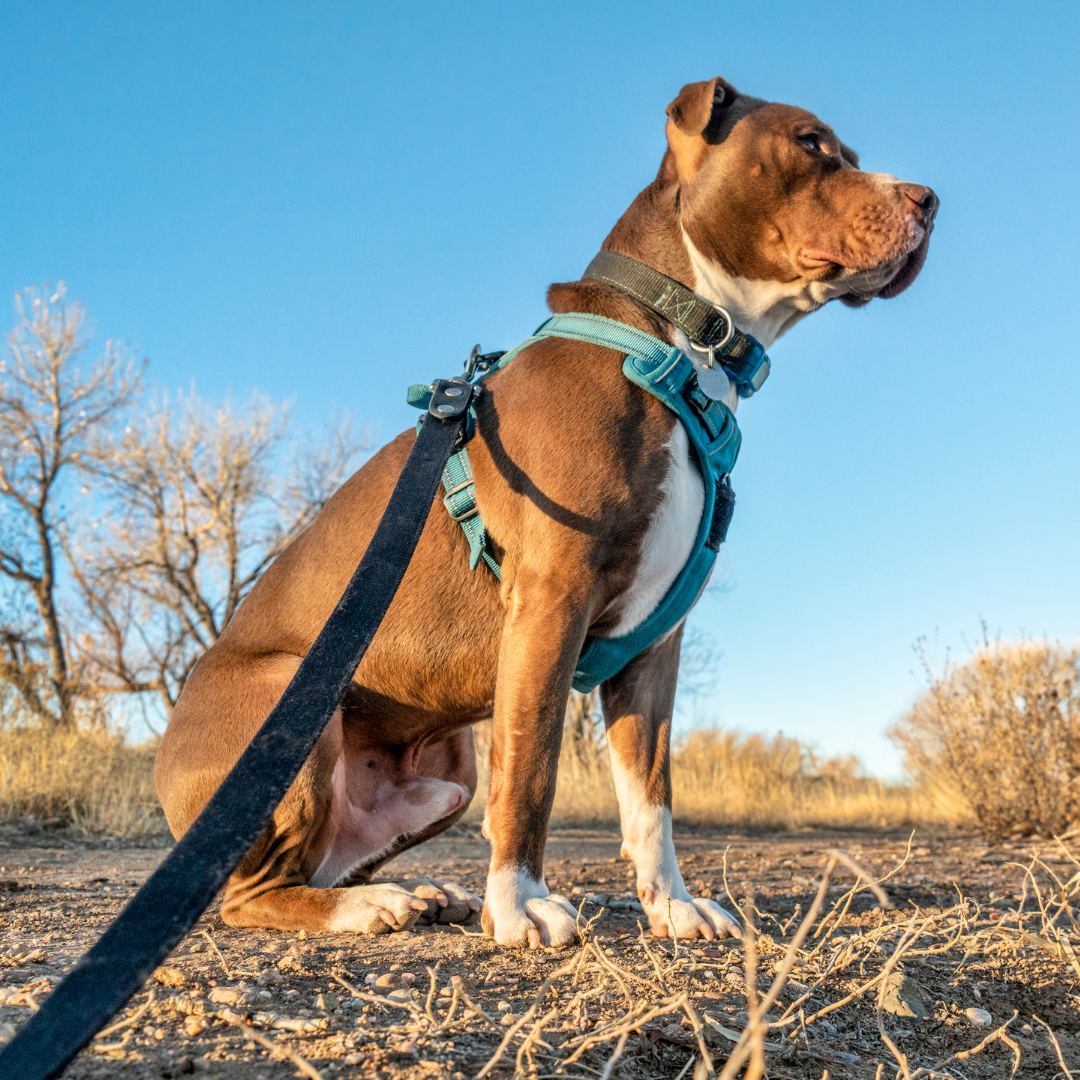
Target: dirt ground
<point x="234" y="1003"/>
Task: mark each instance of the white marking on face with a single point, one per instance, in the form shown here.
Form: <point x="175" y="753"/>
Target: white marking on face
<point x="360" y="835"/>
<point x="670" y="536"/>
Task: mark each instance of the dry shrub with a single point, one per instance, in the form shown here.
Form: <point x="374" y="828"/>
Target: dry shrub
<point x="92" y="780"/>
<point x="723" y="778"/>
<point x="1001" y="735"/>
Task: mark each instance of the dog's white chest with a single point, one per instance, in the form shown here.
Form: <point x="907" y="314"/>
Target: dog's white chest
<point x="669" y="539"/>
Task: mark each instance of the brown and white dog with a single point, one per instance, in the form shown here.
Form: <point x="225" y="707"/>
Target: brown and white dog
<point x="592" y="500"/>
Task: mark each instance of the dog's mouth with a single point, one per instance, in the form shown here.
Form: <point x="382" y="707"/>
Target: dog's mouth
<point x="900" y="274"/>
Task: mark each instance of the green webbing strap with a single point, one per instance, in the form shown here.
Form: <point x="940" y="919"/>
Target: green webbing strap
<point x="460" y="503"/>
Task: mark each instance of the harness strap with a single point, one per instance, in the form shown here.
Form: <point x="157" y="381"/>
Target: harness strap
<point x="703" y="323"/>
<point x="460" y="503"/>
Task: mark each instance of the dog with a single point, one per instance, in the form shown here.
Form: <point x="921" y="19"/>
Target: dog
<point x="592" y="501"/>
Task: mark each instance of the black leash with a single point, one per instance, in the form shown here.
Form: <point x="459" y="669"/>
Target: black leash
<point x="181" y="889"/>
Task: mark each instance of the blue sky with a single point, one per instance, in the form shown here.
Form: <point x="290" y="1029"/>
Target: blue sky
<point x="329" y="201"/>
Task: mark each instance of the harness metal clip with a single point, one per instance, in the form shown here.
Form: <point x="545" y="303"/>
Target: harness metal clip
<point x="481" y="362"/>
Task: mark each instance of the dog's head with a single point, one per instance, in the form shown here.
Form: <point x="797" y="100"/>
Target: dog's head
<point x="769" y="194"/>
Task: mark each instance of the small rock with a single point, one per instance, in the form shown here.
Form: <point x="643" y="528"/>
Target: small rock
<point x="401" y="995"/>
<point x="979" y="1017"/>
<point x="195" y="1025"/>
<point x="7" y="1032"/>
<point x="408" y="978"/>
<point x="223" y="995"/>
<point x="905" y="997"/>
<point x="503" y="1006"/>
<point x="269" y="977"/>
<point x="387" y="982"/>
<point x="326" y="1002"/>
<point x="507" y="1019"/>
<point x="445" y="991"/>
<point x="409" y="1048"/>
<point x="596" y="898"/>
<point x="353" y="1059"/>
<point x="846" y="1058"/>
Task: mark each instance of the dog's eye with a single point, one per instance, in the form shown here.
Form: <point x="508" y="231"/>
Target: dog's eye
<point x="811" y="140"/>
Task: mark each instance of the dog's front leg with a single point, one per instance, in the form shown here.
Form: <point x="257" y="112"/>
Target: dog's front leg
<point x="637" y="705"/>
<point x="541" y="641"/>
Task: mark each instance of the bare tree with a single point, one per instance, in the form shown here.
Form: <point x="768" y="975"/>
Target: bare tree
<point x="51" y="415"/>
<point x="198" y="511"/>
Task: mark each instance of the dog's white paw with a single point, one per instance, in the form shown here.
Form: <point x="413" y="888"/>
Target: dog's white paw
<point x="447" y="902"/>
<point x="544" y="921"/>
<point x="519" y="911"/>
<point x="375" y="909"/>
<point x="690" y="918"/>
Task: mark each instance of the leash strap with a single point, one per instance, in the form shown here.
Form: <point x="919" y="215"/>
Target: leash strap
<point x="703" y="323"/>
<point x="181" y="889"/>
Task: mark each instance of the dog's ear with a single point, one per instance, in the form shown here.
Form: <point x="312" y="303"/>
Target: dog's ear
<point x="693" y="109"/>
<point x="703" y="114"/>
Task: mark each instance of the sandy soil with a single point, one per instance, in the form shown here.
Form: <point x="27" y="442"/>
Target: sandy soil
<point x="58" y="894"/>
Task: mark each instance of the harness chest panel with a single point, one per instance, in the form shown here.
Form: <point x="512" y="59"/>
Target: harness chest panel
<point x="669" y="375"/>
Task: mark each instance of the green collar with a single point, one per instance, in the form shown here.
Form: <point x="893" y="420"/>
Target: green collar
<point x="708" y="326"/>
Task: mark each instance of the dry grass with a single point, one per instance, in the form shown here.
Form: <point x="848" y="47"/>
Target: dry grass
<point x="725" y="778"/>
<point x="92" y="781"/>
<point x="1000" y="736"/>
<point x="843" y="987"/>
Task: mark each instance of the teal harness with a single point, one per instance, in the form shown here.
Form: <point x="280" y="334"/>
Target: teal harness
<point x="669" y="375"/>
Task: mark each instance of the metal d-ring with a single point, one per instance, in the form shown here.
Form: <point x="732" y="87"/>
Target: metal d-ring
<point x="720" y="345"/>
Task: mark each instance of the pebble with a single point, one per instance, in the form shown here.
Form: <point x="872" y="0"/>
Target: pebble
<point x="326" y="1002"/>
<point x="222" y="995"/>
<point x="507" y="1020"/>
<point x="385" y="983"/>
<point x="401" y="995"/>
<point x="979" y="1017"/>
<point x="596" y="898"/>
<point x="503" y="1006"/>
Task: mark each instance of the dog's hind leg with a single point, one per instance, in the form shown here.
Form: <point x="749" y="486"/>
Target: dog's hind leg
<point x="350" y="807"/>
<point x="637" y="705"/>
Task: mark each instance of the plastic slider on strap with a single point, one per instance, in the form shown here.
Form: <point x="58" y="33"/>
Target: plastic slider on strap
<point x="464" y="508"/>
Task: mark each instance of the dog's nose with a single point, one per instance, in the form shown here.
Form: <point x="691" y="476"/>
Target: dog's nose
<point x="924" y="199"/>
